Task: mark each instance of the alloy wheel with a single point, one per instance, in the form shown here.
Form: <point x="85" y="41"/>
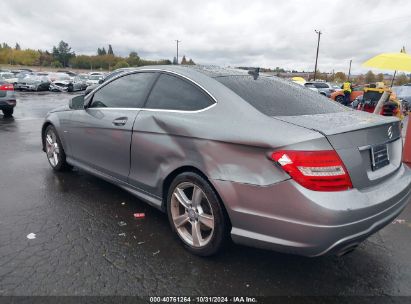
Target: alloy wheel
<point x="192" y="214"/>
<point x="52" y="148"/>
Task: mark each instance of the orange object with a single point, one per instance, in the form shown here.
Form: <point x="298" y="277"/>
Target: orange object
<point x="356" y="91"/>
<point x="406" y="157"/>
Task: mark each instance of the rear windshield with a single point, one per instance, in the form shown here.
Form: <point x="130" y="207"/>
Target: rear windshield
<point x="277" y="97"/>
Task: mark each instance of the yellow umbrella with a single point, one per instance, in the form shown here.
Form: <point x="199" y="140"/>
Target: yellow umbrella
<point x="390" y="61"/>
<point x="299" y="80"/>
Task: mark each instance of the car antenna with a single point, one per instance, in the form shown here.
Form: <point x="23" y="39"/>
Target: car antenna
<point x="255" y="73"/>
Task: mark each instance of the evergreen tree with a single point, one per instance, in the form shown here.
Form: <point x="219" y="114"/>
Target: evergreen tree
<point x="110" y="50"/>
<point x="17" y="47"/>
<point x="184" y="60"/>
<point x="63" y="53"/>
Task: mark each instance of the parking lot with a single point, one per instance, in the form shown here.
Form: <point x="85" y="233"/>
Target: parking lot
<point x="87" y="241"/>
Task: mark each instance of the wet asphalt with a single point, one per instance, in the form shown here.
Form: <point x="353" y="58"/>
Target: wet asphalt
<point x="81" y="249"/>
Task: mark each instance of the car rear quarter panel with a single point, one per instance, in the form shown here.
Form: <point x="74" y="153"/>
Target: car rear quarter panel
<point x="221" y="142"/>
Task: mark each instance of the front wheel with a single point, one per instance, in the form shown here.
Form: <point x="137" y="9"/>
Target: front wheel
<point x="339" y="99"/>
<point x="196" y="214"/>
<point x="54" y="150"/>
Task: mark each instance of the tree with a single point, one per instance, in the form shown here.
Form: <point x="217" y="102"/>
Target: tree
<point x="63" y="53"/>
<point x="101" y="52"/>
<point x="45" y="58"/>
<point x="175" y="60"/>
<point x="110" y="50"/>
<point x="380" y="77"/>
<point x="133" y="59"/>
<point x="360" y="79"/>
<point x="17" y="47"/>
<point x="340" y="77"/>
<point x="121" y="64"/>
<point x="191" y="62"/>
<point x="401" y="79"/>
<point x="184" y="60"/>
<point x="370" y="77"/>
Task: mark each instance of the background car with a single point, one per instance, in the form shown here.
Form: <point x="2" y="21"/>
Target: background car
<point x="403" y="93"/>
<point x="324" y="88"/>
<point x="70" y="73"/>
<point x="60" y="82"/>
<point x="33" y="83"/>
<point x="338" y="96"/>
<point x="7" y="98"/>
<point x="95" y="79"/>
<point x="224" y="152"/>
<point x="9" y="77"/>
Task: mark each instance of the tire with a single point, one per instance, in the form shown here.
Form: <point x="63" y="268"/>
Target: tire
<point x="54" y="150"/>
<point x="339" y="99"/>
<point x="8" y="112"/>
<point x="206" y="212"/>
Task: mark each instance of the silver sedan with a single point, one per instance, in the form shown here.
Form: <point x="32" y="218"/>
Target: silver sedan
<point x="231" y="154"/>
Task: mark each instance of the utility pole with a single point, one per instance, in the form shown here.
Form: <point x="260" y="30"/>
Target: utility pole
<point x="177" y="41"/>
<point x="349" y="71"/>
<point x="316" y="57"/>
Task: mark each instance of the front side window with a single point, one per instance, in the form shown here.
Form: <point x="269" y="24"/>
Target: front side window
<point x="173" y="93"/>
<point x="128" y="91"/>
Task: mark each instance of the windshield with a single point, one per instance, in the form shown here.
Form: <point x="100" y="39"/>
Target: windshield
<point x="277" y="97"/>
<point x="95" y="77"/>
<point x="7" y="75"/>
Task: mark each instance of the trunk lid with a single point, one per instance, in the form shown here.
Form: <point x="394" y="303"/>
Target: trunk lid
<point x="369" y="145"/>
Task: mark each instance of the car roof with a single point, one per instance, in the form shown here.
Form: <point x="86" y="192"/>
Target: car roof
<point x="192" y="70"/>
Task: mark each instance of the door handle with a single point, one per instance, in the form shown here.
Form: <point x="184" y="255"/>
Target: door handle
<point x="121" y="121"/>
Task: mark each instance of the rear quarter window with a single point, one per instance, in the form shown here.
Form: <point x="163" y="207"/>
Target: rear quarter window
<point x="276" y="97"/>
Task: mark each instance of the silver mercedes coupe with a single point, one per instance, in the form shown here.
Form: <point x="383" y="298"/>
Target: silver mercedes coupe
<point x="228" y="153"/>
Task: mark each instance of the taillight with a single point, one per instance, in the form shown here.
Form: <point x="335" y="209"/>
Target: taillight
<point x="315" y="170"/>
<point x="7" y="87"/>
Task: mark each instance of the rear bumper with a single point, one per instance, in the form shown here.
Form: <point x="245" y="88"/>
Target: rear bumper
<point x="7" y="104"/>
<point x="289" y="218"/>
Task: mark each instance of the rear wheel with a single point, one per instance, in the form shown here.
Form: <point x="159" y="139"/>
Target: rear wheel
<point x="54" y="150"/>
<point x="196" y="214"/>
<point x="8" y="112"/>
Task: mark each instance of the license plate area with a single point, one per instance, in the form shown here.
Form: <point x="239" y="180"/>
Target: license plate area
<point x="379" y="156"/>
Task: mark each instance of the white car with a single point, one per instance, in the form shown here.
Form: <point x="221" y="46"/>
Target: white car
<point x="94" y="79"/>
<point x="9" y="77"/>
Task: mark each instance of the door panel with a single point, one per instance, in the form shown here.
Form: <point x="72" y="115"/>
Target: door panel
<point x="101" y="138"/>
<point x="101" y="134"/>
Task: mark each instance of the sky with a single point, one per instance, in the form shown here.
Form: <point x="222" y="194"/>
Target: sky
<point x="218" y="32"/>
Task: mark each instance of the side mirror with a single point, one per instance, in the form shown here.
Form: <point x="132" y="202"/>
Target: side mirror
<point x="77" y="102"/>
